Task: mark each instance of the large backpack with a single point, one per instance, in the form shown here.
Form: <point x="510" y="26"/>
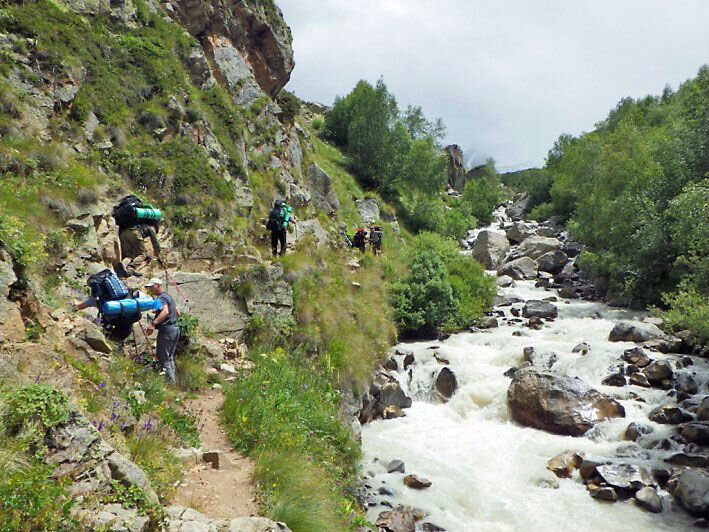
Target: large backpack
<point x="275" y="219"/>
<point x="130" y="211"/>
<point x="376" y="237"/>
<point x="106" y="286"/>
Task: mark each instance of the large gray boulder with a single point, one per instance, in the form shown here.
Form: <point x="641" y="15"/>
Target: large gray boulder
<point x="692" y="492"/>
<point x="322" y="193"/>
<point x="490" y="248"/>
<point x="539" y="309"/>
<point x="446" y="383"/>
<point x="520" y="206"/>
<point x="368" y="210"/>
<point x="552" y="261"/>
<point x="201" y="294"/>
<point x="310" y="227"/>
<point x="519" y="269"/>
<point x="519" y="231"/>
<point x="536" y="246"/>
<point x="558" y="403"/>
<point x="400" y="519"/>
<point x="634" y="331"/>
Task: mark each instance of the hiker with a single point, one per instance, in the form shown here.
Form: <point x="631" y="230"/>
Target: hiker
<point x="375" y="239"/>
<point x="280" y="217"/>
<point x="136" y="223"/>
<point x="165" y="321"/>
<point x="359" y="240"/>
<point x="118" y="307"/>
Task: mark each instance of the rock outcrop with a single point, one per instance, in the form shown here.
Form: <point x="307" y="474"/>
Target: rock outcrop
<point x="634" y="331"/>
<point x="456" y="167"/>
<point x="557" y="403"/>
<point x="253" y="31"/>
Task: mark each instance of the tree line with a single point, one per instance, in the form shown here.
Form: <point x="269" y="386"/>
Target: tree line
<point x="635" y="190"/>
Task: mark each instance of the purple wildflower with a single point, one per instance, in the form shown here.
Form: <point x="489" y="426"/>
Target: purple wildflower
<point x="101" y="425"/>
<point x="36" y="379"/>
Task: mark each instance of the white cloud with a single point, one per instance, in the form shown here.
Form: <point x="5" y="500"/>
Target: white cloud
<point x="506" y="76"/>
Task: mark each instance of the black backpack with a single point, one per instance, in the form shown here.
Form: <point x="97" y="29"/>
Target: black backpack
<point x="124" y="212"/>
<point x="106" y="286"/>
<point x="275" y="219"/>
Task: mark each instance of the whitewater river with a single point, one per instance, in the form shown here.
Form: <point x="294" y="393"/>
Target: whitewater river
<point x="485" y="468"/>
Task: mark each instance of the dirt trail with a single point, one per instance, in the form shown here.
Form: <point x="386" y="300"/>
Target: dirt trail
<point x="218" y="493"/>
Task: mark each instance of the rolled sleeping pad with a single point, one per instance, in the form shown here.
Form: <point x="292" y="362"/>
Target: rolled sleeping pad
<point x="148" y="214"/>
<point x="130" y="307"/>
<point x="286" y="218"/>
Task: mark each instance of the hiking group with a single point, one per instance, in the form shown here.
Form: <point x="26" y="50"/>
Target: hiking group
<point x="119" y="306"/>
<point x="359" y="240"/>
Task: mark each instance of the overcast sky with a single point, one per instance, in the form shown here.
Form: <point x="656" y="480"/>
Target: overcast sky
<point x="506" y="76"/>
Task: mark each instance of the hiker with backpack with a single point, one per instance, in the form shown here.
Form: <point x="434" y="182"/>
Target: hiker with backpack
<point x="375" y="239"/>
<point x="359" y="240"/>
<point x="279" y="219"/>
<point x="136" y="223"/>
<point x="165" y="321"/>
<point x="118" y="307"/>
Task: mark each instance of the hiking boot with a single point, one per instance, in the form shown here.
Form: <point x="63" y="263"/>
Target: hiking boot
<point x="133" y="272"/>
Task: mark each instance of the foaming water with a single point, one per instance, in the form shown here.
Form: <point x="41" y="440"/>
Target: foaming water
<point x="487" y="471"/>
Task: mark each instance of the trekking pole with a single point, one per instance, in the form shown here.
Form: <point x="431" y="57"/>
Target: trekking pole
<point x="172" y="280"/>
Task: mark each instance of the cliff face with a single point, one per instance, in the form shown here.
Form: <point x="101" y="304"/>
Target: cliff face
<point x="252" y="34"/>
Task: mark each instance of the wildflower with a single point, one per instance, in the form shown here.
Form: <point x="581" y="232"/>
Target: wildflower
<point x="101" y="425"/>
<point x="36" y="379"/>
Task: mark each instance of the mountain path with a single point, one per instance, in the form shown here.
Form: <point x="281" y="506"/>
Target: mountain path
<point x="222" y="493"/>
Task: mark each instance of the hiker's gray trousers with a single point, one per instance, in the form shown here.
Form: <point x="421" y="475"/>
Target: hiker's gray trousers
<point x="166" y="345"/>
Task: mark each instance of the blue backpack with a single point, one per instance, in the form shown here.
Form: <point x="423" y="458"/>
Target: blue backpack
<point x="106" y="286"/>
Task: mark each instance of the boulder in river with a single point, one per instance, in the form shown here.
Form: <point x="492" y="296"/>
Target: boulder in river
<point x="396" y="466"/>
<point x="507" y="300"/>
<point x="400" y="519"/>
<point x="692" y="492"/>
<point x="669" y="415"/>
<point x="558" y="403"/>
<point x="539" y="309"/>
<point x="648" y="499"/>
<point x="636" y="356"/>
<point x="686" y="383"/>
<point x="446" y="383"/>
<point x="626" y="477"/>
<point x="614" y="379"/>
<point x="536" y="246"/>
<point x="604" y="493"/>
<point x="552" y="261"/>
<point x="638" y="379"/>
<point x="564" y="464"/>
<point x="634" y="331"/>
<point x="582" y="348"/>
<point x="487" y="322"/>
<point x="696" y="433"/>
<point x="519" y="231"/>
<point x="703" y="409"/>
<point x="490" y="248"/>
<point x="540" y="359"/>
<point x="659" y="373"/>
<point x="636" y="430"/>
<point x="505" y="281"/>
<point x="519" y="269"/>
<point x="416" y="482"/>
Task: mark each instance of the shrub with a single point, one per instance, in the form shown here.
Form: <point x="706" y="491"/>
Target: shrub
<point x="36" y="403"/>
<point x="688" y="309"/>
<point x="443" y="288"/>
<point x="32" y="501"/>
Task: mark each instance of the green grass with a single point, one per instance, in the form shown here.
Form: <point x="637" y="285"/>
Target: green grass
<point x="284" y="414"/>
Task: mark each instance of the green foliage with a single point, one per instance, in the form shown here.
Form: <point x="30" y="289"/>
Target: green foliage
<point x="634" y="190"/>
<point x="290" y="106"/>
<point x="18" y="241"/>
<point x="480" y="197"/>
<point x="188" y="325"/>
<point x="443" y="289"/>
<point x="133" y="497"/>
<point x="536" y="182"/>
<point x="32" y="501"/>
<point x="688" y="310"/>
<point x="35" y="403"/>
<point x="184" y="425"/>
<point x="281" y="412"/>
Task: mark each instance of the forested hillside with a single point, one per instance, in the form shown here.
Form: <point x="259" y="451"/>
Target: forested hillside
<point x="636" y="191"/>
